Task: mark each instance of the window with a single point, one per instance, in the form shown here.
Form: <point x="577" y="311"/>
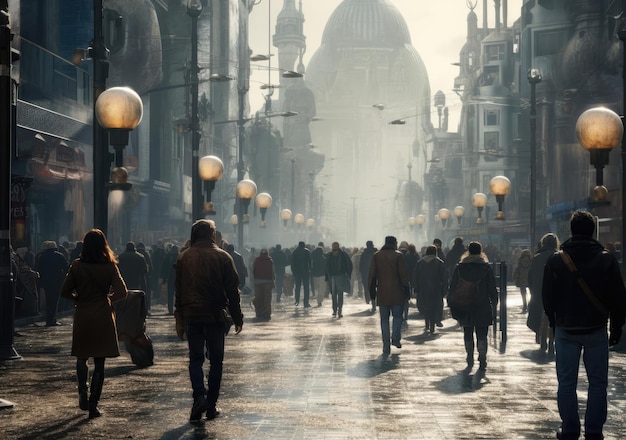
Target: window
<point x="494" y="52"/>
<point x="549" y="42"/>
<point x="492" y="117"/>
<point x="492" y="143"/>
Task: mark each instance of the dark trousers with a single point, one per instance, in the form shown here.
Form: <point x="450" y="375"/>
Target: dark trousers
<point x="302" y="280"/>
<point x="203" y="336"/>
<point x="171" y="286"/>
<point x="52" y="304"/>
<point x="280" y="277"/>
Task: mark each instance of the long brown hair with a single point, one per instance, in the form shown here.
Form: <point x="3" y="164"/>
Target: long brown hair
<point x="96" y="248"/>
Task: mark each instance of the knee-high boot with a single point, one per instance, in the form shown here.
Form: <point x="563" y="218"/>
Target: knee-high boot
<point x="97" y="381"/>
<point x="469" y="349"/>
<point x="82" y="371"/>
<point x="482" y="353"/>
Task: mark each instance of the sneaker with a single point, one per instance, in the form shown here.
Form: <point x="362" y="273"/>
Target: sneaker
<point x="200" y="405"/>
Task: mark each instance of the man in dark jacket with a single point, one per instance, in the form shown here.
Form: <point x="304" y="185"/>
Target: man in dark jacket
<point x="338" y="273"/>
<point x="52" y="267"/>
<point x="301" y="270"/>
<point x="141" y="248"/>
<point x="582" y="290"/>
<point x="388" y="274"/>
<point x="454" y="255"/>
<point x="430" y="282"/>
<point x="207" y="290"/>
<point x="133" y="268"/>
<point x="364" y="270"/>
<point x="280" y="263"/>
<point x="318" y="270"/>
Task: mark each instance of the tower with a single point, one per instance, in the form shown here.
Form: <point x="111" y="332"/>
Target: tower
<point x="289" y="38"/>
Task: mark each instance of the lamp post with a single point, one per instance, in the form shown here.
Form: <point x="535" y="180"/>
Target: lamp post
<point x="444" y="215"/>
<point x="599" y="130"/>
<point x="411" y="223"/>
<point x="101" y="155"/>
<point x="246" y="190"/>
<point x="458" y="212"/>
<point x="119" y="110"/>
<point x="299" y="219"/>
<point x="194" y="9"/>
<point x="500" y="186"/>
<point x="263" y="201"/>
<point x="7" y="306"/>
<point x="210" y="170"/>
<point x="285" y="216"/>
<point x="479" y="200"/>
<point x="534" y="78"/>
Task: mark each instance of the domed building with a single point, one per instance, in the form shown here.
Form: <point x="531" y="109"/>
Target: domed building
<point x="365" y="75"/>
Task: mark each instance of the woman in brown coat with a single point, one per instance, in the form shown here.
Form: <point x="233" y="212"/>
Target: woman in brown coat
<point x="93" y="282"/>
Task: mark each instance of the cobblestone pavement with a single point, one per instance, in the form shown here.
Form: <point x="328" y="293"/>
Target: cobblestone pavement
<point x="303" y="375"/>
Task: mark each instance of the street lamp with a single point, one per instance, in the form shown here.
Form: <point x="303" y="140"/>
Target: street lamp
<point x="444" y="215"/>
<point x="210" y="170"/>
<point x="420" y="220"/>
<point x="285" y="216"/>
<point x="500" y="186"/>
<point x="299" y="219"/>
<point x="458" y="212"/>
<point x="119" y="110"/>
<point x="479" y="200"/>
<point x="234" y="220"/>
<point x="411" y="223"/>
<point x="310" y="223"/>
<point x="534" y="78"/>
<point x="599" y="130"/>
<point x="246" y="190"/>
<point x="263" y="201"/>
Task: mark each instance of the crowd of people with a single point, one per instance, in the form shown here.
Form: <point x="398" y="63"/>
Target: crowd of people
<point x="571" y="293"/>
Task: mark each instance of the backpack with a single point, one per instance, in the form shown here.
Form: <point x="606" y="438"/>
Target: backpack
<point x="464" y="297"/>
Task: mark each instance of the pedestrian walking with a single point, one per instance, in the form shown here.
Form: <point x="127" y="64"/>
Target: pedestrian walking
<point x="430" y="281"/>
<point x="537" y="319"/>
<point x="582" y="290"/>
<point x="89" y="283"/>
<point x="454" y="254"/>
<point x="141" y="248"/>
<point x="338" y="271"/>
<point x="207" y="299"/>
<point x="263" y="274"/>
<point x="133" y="268"/>
<point x="357" y="281"/>
<point x="52" y="267"/>
<point x="318" y="272"/>
<point x="389" y="276"/>
<point x="280" y="264"/>
<point x="168" y="275"/>
<point x="301" y="270"/>
<point x="520" y="275"/>
<point x="474" y="280"/>
<point x="240" y="265"/>
<point x="364" y="271"/>
<point x="442" y="256"/>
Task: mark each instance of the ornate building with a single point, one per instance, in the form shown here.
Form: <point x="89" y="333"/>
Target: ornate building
<point x="366" y="74"/>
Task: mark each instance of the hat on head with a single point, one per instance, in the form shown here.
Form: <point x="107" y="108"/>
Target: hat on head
<point x="403" y="245"/>
<point x="475" y="248"/>
<point x="369" y="244"/>
<point x="49" y="244"/>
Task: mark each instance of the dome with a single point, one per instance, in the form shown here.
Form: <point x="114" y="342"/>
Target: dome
<point x="371" y="23"/>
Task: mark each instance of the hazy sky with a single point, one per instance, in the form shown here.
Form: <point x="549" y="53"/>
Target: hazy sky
<point x="438" y="31"/>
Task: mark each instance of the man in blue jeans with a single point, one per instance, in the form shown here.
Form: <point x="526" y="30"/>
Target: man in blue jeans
<point x="388" y="281"/>
<point x="582" y="290"/>
<point x="207" y="297"/>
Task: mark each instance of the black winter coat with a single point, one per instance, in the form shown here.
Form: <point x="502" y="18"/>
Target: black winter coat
<point x="535" y="280"/>
<point x="565" y="302"/>
<point x="474" y="268"/>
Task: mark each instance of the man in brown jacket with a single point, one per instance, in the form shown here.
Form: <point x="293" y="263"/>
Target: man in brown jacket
<point x="389" y="277"/>
<point x="207" y="296"/>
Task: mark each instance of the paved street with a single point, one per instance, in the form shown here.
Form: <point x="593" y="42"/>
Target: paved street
<point x="302" y="375"/>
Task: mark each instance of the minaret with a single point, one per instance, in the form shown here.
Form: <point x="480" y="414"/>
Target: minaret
<point x="289" y="37"/>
